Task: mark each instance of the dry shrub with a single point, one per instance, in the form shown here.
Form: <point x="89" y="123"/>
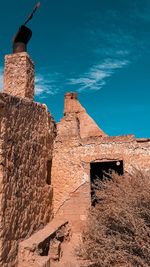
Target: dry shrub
<point x="118" y="229"/>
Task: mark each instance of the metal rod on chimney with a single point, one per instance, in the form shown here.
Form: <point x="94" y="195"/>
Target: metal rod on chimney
<point x="24" y="34"/>
<point x="31" y="15"/>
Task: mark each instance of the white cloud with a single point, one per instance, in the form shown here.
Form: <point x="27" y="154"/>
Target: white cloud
<point x="45" y="85"/>
<point x="112" y="65"/>
<point x="1" y="78"/>
<point x="95" y="79"/>
<point x="116" y="37"/>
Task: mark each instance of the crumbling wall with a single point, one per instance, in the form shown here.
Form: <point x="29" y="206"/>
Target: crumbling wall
<point x="27" y="133"/>
<point x="71" y="169"/>
<point x="73" y="153"/>
<point x="46" y="246"/>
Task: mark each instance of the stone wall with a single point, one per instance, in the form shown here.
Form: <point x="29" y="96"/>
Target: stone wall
<point x="73" y="154"/>
<point x="19" y="75"/>
<point x="45" y="246"/>
<point x="1" y="174"/>
<point x="27" y="134"/>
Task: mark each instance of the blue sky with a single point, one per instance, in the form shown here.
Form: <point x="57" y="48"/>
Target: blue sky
<point x="99" y="48"/>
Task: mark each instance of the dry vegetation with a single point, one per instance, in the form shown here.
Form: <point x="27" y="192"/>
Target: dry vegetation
<point x="118" y="230"/>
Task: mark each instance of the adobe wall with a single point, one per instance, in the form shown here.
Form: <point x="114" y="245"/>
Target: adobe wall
<point x="27" y="135"/>
<point x="71" y="164"/>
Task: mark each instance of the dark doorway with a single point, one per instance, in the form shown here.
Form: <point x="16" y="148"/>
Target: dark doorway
<point x="103" y="170"/>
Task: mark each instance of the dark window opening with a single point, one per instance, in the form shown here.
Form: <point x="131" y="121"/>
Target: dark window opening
<point x="49" y="167"/>
<point x="102" y="171"/>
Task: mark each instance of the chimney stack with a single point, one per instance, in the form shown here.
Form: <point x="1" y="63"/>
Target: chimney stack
<point x="19" y="68"/>
<point x="72" y="104"/>
<point x="19" y="75"/>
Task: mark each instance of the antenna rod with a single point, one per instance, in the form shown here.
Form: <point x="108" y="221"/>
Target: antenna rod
<point x="31" y="15"/>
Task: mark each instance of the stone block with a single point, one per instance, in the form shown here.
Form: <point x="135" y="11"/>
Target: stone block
<point x="55" y="250"/>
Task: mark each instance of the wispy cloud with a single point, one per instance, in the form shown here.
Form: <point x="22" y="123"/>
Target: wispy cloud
<point x="1" y="78"/>
<point x="114" y="43"/>
<point x="96" y="77"/>
<point x="46" y="84"/>
<point x="123" y="32"/>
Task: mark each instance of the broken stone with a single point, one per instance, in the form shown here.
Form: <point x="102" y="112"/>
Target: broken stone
<point x="55" y="250"/>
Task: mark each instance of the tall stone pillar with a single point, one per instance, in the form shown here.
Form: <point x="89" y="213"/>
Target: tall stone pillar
<point x="72" y="104"/>
<point x="19" y="75"/>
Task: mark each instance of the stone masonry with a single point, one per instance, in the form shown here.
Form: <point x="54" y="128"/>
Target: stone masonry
<point x="45" y="178"/>
<point x="27" y="134"/>
<point x="80" y="142"/>
<point x="19" y="75"/>
<point x="26" y="144"/>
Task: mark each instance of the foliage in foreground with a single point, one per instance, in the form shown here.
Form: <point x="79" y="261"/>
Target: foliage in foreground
<point x="118" y="229"/>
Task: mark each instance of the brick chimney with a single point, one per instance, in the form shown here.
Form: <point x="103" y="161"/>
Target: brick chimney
<point x="19" y="75"/>
<point x="72" y="104"/>
<point x="87" y="127"/>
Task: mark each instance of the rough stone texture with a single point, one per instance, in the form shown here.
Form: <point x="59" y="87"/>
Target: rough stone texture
<point x="26" y="153"/>
<point x="69" y="257"/>
<point x="86" y="125"/>
<point x="26" y="142"/>
<point x="53" y="246"/>
<point x="1" y="174"/>
<point x="73" y="153"/>
<point x="44" y="247"/>
<point x="19" y="75"/>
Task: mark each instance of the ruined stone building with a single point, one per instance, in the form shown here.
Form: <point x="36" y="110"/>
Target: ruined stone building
<point x="46" y="169"/>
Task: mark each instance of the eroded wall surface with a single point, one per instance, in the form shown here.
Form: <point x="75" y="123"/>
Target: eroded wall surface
<point x="27" y="135"/>
<point x="1" y="174"/>
<point x="19" y="75"/>
<point x="73" y="154"/>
